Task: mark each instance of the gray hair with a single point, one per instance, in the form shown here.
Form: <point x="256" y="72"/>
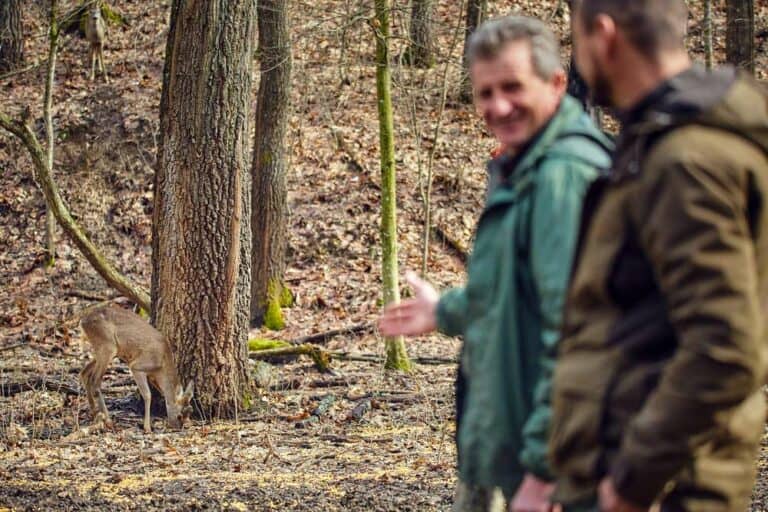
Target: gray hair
<point x="491" y="37"/>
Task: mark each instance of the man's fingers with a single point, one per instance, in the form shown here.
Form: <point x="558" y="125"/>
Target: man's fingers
<point x="414" y="281"/>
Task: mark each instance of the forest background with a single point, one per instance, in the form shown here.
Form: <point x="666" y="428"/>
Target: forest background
<point x="355" y="438"/>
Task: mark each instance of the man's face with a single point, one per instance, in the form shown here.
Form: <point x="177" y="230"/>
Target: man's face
<point x="588" y="52"/>
<point x="512" y="98"/>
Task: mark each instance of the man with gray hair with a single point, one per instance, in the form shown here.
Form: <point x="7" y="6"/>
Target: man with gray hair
<point x="509" y="310"/>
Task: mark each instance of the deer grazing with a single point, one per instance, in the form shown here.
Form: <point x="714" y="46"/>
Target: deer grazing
<point x="114" y="331"/>
<point x="95" y="33"/>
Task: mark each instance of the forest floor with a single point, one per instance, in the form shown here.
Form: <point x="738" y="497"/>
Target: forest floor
<point x="385" y="441"/>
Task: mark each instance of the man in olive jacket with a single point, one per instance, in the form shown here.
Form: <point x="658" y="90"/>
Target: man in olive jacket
<point x="509" y="310"/>
<point x="657" y="390"/>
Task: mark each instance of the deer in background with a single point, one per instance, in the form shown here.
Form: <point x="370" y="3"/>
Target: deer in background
<point x="114" y="331"/>
<point x="95" y="33"/>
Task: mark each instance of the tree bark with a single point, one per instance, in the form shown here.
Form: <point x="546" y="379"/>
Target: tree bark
<point x="269" y="191"/>
<point x="397" y="358"/>
<point x="202" y="244"/>
<point x="421" y="50"/>
<point x="475" y="14"/>
<point x="708" y="46"/>
<point x="11" y="36"/>
<point x="740" y="34"/>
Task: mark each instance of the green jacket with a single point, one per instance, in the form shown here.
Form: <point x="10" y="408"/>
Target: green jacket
<point x="509" y="310"/>
<point x="658" y="381"/>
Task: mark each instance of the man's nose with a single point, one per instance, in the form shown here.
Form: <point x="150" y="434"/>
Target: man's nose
<point x="500" y="106"/>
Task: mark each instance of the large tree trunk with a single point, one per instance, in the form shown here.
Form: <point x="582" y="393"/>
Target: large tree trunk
<point x="475" y="14"/>
<point x="421" y="51"/>
<point x="11" y="35"/>
<point x="397" y="358"/>
<point x="201" y="249"/>
<point x="268" y="221"/>
<point x="740" y="34"/>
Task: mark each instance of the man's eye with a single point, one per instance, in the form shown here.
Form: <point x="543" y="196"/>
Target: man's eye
<point x="511" y="87"/>
<point x="484" y="94"/>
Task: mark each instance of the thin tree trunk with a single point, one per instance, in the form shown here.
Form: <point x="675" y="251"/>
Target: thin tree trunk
<point x="11" y="35"/>
<point x="397" y="358"/>
<point x="740" y="34"/>
<point x="427" y="191"/>
<point x="201" y="258"/>
<point x="475" y="14"/>
<point x="53" y="41"/>
<point x="269" y="217"/>
<point x="421" y="50"/>
<point x="708" y="33"/>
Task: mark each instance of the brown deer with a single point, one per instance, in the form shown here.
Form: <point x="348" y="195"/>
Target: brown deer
<point x="95" y="33"/>
<point x="114" y="331"/>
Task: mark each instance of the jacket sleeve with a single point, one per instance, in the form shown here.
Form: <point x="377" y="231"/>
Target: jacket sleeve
<point x="554" y="229"/>
<point x="452" y="312"/>
<point x="696" y="234"/>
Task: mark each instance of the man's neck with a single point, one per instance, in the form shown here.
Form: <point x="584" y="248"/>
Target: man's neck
<point x="645" y="76"/>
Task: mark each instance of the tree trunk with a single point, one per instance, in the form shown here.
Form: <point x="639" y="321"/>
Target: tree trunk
<point x="268" y="221"/>
<point x="708" y="47"/>
<point x="740" y="34"/>
<point x="53" y="42"/>
<point x="11" y="35"/>
<point x="421" y="51"/>
<point x="202" y="243"/>
<point x="476" y="10"/>
<point x="397" y="358"/>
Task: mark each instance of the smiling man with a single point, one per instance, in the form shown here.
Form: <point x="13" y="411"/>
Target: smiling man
<point x="509" y="310"/>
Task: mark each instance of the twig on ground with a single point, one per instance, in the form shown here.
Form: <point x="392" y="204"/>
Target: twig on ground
<point x="35" y="383"/>
<point x="13" y="347"/>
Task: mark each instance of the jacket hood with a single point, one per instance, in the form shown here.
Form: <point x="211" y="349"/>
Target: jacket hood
<point x="725" y="99"/>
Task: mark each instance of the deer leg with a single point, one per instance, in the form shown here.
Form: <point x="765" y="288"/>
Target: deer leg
<point x="92" y="53"/>
<point x="102" y="358"/>
<point x="101" y="62"/>
<point x="146" y="394"/>
<point x="85" y="379"/>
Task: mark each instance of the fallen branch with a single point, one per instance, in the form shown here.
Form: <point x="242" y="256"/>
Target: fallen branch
<point x="322" y="358"/>
<point x="324" y="337"/>
<point x="34" y="384"/>
<point x="20" y="71"/>
<point x="456" y="247"/>
<point x="84" y="294"/>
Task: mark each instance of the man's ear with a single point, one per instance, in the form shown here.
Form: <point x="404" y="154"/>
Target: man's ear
<point x="560" y="81"/>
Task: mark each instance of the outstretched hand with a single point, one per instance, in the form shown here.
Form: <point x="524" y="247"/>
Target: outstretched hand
<point x="412" y="316"/>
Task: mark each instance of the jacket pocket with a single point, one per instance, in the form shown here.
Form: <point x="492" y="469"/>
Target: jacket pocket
<point x="582" y="383"/>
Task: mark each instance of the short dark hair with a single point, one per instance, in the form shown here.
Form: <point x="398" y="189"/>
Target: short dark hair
<point x="650" y="25"/>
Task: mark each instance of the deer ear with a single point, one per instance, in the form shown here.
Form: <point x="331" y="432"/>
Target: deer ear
<point x="179" y="393"/>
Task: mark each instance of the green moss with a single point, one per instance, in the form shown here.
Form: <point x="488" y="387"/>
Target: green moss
<point x="256" y="344"/>
<point x="110" y="15"/>
<point x="287" y="299"/>
<point x="143" y="313"/>
<point x="247" y="401"/>
<point x="273" y="316"/>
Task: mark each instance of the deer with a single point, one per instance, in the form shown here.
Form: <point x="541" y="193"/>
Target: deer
<point x="114" y="331"/>
<point x="95" y="33"/>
